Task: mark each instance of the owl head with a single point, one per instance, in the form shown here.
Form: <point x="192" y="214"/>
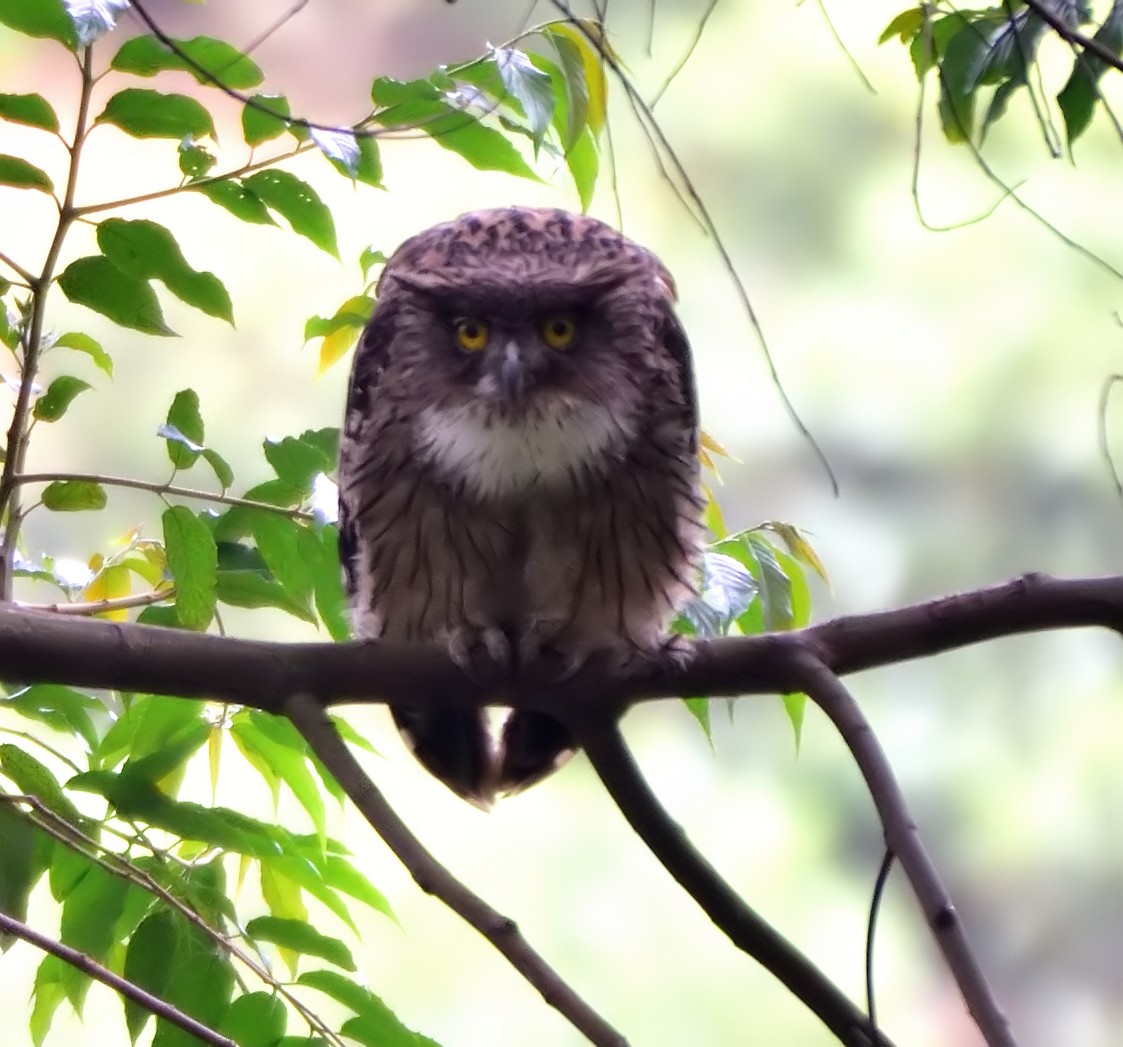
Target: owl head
<point x="525" y="340"/>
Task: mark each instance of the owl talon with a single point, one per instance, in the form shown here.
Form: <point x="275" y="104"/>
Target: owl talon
<point x="483" y="654"/>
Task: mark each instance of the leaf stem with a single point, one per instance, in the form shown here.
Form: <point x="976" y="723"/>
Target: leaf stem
<point x="163" y="488"/>
<point x="18" y="431"/>
<point x="12" y="264"/>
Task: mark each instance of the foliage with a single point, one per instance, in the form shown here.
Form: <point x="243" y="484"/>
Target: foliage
<point x="145" y="876"/>
<point x="988" y="55"/>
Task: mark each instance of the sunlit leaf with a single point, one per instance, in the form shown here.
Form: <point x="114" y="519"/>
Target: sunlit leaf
<point x="193" y="560"/>
<point x="147" y="251"/>
<point x="302" y="938"/>
<point x="32" y="777"/>
<point x="379" y="1026"/>
<point x="195" y="160"/>
<point x="258" y="122"/>
<point x="60" y="394"/>
<point x="31" y="109"/>
<point x="143" y="113"/>
<point x="147" y="56"/>
<point x="255" y="1019"/>
<point x="98" y="284"/>
<point x="148" y="963"/>
<point x="298" y="203"/>
<point x="61" y="708"/>
<point x="70" y="496"/>
<point x="40" y="18"/>
<point x="83" y="343"/>
<point x="184" y="429"/>
<point x="19" y="174"/>
<point x="238" y="200"/>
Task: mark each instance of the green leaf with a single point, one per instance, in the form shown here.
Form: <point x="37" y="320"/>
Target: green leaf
<point x="370" y="258"/>
<point x="61" y="708"/>
<point x="278" y="540"/>
<point x="1078" y="97"/>
<point x="184" y="430"/>
<point x="48" y="993"/>
<point x="193" y="560"/>
<point x="298" y="203"/>
<point x="255" y="1019"/>
<point x="727" y="589"/>
<point x="147" y="56"/>
<point x="375" y="1023"/>
<point x="259" y="126"/>
<point x="150" y="724"/>
<point x="343" y="876"/>
<point x="354" y="313"/>
<point x="20" y="174"/>
<point x="31" y="109"/>
<point x="52" y="405"/>
<point x="40" y="18"/>
<point x="143" y="113"/>
<point x="202" y="985"/>
<point x="148" y="963"/>
<point x="83" y="343"/>
<point x="253" y="589"/>
<point x="417" y="104"/>
<point x="331" y="601"/>
<point x="302" y="938"/>
<point x="298" y="461"/>
<point x="71" y="496"/>
<point x="583" y="161"/>
<point x="221" y="468"/>
<point x="195" y="160"/>
<point x="98" y="284"/>
<point x="164" y="767"/>
<point x="905" y="26"/>
<point x="34" y="778"/>
<point x="19" y="869"/>
<point x="148" y="251"/>
<point x="530" y="86"/>
<point x="795" y="705"/>
<point x="238" y="200"/>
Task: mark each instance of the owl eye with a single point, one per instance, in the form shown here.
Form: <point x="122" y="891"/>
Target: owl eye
<point x="472" y="335"/>
<point x="558" y="330"/>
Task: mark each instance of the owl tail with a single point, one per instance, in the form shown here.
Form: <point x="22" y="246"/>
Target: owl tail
<point x="454" y="747"/>
<point x="532" y="746"/>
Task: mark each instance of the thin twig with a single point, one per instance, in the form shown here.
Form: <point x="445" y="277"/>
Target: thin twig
<point x="162" y="489"/>
<point x="1074" y="36"/>
<point x="80" y="961"/>
<point x="12" y="264"/>
<point x="92" y="607"/>
<point x="745" y="928"/>
<point x="433" y="878"/>
<point x="903" y="839"/>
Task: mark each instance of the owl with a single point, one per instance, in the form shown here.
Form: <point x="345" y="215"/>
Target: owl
<point x="518" y="469"/>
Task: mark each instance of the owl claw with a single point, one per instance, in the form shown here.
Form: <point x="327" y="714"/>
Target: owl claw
<point x="482" y="653"/>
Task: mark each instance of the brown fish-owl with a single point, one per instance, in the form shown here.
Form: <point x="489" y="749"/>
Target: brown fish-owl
<point x="519" y="467"/>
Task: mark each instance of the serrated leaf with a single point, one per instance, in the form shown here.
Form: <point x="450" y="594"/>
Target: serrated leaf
<point x="98" y="284"/>
<point x="60" y="394"/>
<point x="144" y="113"/>
<point x="71" y="496"/>
<point x="83" y="343"/>
<point x="302" y="938"/>
<point x="184" y="429"/>
<point x="30" y="109"/>
<point x="40" y="18"/>
<point x="298" y="203"/>
<point x="148" y="251"/>
<point x="234" y="197"/>
<point x="193" y="560"/>
<point x="19" y="174"/>
<point x="93" y="19"/>
<point x="147" y="56"/>
<point x="259" y="126"/>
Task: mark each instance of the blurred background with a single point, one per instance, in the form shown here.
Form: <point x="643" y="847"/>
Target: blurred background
<point x="952" y="380"/>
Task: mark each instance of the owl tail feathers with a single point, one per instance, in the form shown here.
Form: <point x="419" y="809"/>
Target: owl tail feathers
<point x="533" y="745"/>
<point x="454" y="747"/>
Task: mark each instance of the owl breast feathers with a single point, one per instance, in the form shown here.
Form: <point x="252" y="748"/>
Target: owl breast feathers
<point x="519" y="468"/>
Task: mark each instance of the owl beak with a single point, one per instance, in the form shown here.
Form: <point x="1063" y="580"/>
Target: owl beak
<point x="512" y="375"/>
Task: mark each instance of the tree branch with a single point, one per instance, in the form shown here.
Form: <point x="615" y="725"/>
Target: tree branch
<point x="433" y="878"/>
<point x="83" y="963"/>
<point x="903" y="839"/>
<point x="626" y="785"/>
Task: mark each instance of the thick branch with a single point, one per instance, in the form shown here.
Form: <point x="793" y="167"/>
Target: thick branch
<point x="903" y="839"/>
<point x="83" y="963"/>
<point x="433" y="878"/>
<point x="626" y="785"/>
<point x="38" y="647"/>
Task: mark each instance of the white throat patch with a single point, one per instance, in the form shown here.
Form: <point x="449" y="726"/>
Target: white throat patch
<point x="499" y="457"/>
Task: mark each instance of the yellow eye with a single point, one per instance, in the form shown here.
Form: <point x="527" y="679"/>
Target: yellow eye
<point x="559" y="331"/>
<point x="472" y="335"/>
